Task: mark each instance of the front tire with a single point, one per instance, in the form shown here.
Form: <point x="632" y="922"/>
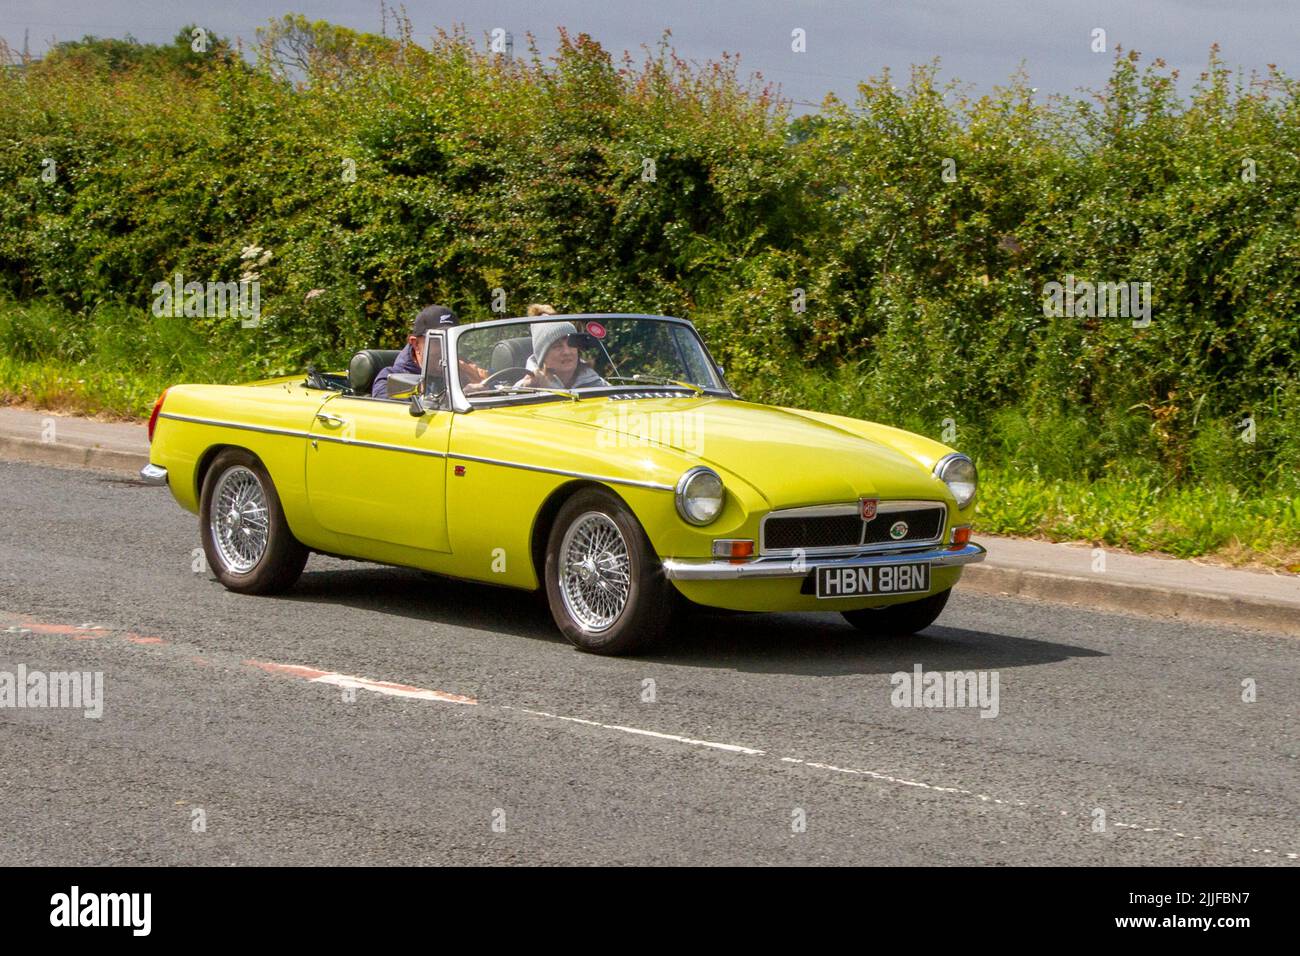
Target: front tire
<point x="604" y="584"/>
<point x="899" y="619"/>
<point x="246" y="538"/>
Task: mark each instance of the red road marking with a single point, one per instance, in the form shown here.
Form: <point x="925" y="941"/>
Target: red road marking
<point x="88" y="633"/>
<point x="69" y="630"/>
<point x="141" y="639"/>
<point x="80" y="632"/>
<point x="295" y="670"/>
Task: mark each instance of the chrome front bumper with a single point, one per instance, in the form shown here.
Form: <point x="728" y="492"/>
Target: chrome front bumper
<point x="153" y="475"/>
<point x="709" y="569"/>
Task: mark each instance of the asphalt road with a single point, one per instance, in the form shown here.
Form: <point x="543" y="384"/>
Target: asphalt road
<point x="770" y="738"/>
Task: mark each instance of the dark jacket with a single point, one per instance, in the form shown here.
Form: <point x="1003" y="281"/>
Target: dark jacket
<point x="405" y="364"/>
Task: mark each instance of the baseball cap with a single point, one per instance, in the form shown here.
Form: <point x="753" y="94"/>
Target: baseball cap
<point x="433" y="317"/>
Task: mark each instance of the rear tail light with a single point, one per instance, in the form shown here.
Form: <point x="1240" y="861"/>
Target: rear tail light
<point x="961" y="535"/>
<point x="153" y="419"/>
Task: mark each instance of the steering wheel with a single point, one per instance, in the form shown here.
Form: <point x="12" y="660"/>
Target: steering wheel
<point x="510" y="375"/>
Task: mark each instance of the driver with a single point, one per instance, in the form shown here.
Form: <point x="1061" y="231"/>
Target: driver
<point x="556" y="361"/>
<point x="410" y="360"/>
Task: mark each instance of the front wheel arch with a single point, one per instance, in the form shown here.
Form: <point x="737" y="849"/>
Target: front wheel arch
<point x="545" y="520"/>
<point x="649" y="603"/>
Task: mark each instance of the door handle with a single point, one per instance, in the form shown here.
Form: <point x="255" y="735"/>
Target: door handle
<point x="329" y="419"/>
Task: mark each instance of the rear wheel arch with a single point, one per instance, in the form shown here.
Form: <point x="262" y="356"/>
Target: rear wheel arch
<point x="246" y="538"/>
<point x="205" y="462"/>
<point x="210" y="454"/>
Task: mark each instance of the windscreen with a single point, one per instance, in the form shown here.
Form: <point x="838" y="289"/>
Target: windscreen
<point x="583" y="354"/>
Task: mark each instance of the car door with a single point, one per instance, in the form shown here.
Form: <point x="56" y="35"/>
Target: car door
<point x="375" y="471"/>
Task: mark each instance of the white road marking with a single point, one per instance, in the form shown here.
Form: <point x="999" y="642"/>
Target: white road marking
<point x="316" y="676"/>
<point x="887" y="778"/>
<point x="857" y="772"/>
<point x="731" y="748"/>
<point x="392" y="690"/>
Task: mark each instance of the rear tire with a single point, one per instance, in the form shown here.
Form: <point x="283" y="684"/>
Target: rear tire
<point x="899" y="619"/>
<point x="246" y="538"/>
<point x="604" y="583"/>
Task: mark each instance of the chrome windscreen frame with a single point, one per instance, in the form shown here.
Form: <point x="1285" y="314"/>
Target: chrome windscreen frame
<point x="827" y="511"/>
<point x="460" y="403"/>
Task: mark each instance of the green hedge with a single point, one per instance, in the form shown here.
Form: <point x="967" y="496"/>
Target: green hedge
<point x="922" y="225"/>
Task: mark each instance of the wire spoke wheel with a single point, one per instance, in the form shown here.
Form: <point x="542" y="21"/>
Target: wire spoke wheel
<point x="595" y="571"/>
<point x="240" y="521"/>
<point x="604" y="584"/>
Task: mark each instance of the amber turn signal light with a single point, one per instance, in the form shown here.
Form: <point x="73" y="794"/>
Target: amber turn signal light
<point x="734" y="548"/>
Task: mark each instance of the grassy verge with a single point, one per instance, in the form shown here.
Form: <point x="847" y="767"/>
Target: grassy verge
<point x="1218" y="522"/>
<point x="116" y="361"/>
<point x="78" y="389"/>
<point x="111" y="363"/>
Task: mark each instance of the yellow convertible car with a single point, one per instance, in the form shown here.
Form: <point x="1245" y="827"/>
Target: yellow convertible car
<point x="601" y="457"/>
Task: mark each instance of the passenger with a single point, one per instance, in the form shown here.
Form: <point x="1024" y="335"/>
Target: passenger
<point x="410" y="360"/>
<point x="556" y="361"/>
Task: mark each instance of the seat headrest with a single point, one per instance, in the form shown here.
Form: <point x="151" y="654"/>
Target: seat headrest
<point x="365" y="365"/>
<point x="511" y="353"/>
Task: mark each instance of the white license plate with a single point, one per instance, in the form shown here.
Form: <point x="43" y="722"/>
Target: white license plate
<point x="873" y="580"/>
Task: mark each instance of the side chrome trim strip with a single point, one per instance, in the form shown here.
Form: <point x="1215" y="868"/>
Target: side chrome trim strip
<point x="315" y="436"/>
<point x="320" y="436"/>
<point x="382" y="446"/>
<point x="708" y="569"/>
<point x="265" y="429"/>
<point x="653" y="485"/>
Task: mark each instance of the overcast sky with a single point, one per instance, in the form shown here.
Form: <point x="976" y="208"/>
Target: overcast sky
<point x="981" y="42"/>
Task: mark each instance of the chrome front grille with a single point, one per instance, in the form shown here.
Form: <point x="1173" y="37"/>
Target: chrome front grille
<point x="827" y="529"/>
<point x="786" y="532"/>
<point x="923" y="524"/>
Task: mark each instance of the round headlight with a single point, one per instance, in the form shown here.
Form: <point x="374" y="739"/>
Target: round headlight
<point x="699" y="496"/>
<point x="958" y="473"/>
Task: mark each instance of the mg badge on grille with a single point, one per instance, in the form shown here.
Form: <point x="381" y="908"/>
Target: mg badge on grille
<point x="898" y="530"/>
<point x="868" y="508"/>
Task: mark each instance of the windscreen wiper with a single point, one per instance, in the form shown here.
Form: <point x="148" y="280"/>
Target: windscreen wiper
<point x="656" y="380"/>
<point x="525" y="389"/>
